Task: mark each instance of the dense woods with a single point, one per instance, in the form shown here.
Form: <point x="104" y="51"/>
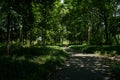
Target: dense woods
<point x="43" y="23"/>
<point x="77" y="21"/>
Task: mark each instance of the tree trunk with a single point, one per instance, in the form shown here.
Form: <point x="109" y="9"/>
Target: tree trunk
<point x="8" y="33"/>
<point x="31" y="37"/>
<point x="106" y="29"/>
<point x="21" y="36"/>
<point x="43" y="37"/>
<point x="105" y="23"/>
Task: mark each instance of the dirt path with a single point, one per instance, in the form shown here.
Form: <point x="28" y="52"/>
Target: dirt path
<point x="83" y="67"/>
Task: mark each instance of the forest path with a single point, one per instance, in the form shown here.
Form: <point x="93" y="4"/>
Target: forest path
<point x="81" y="66"/>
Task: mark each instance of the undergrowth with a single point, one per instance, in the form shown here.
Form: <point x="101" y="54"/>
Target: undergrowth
<point x="30" y="63"/>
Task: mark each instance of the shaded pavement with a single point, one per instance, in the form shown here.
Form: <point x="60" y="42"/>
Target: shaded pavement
<point x="83" y="67"/>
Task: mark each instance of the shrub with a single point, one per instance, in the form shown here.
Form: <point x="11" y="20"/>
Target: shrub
<point x="85" y="48"/>
<point x="105" y="49"/>
<point x="116" y="69"/>
<point x="30" y="63"/>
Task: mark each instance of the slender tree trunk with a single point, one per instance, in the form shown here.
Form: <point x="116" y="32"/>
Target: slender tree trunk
<point x="118" y="39"/>
<point x="106" y="29"/>
<point x="21" y="36"/>
<point x="43" y="37"/>
<point x="105" y="23"/>
<point x="8" y="33"/>
<point x="31" y="37"/>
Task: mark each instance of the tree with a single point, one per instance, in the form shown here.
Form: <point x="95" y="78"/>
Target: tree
<point x="91" y="19"/>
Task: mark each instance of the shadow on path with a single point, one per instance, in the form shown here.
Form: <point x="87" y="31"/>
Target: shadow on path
<point x="83" y="68"/>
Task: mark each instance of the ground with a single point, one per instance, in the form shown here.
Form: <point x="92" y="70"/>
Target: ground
<point x="81" y="66"/>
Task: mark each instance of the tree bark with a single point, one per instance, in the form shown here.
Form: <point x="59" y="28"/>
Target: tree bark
<point x="8" y="33"/>
<point x="106" y="29"/>
<point x="105" y="24"/>
<point x="21" y="36"/>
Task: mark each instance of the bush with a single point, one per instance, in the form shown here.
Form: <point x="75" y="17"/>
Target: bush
<point x="116" y="69"/>
<point x="105" y="49"/>
<point x="30" y="63"/>
<point x="85" y="48"/>
<point x="79" y="48"/>
<point x="21" y="70"/>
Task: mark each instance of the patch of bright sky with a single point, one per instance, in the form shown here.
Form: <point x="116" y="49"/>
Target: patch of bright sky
<point x="118" y="7"/>
<point x="62" y="1"/>
<point x="117" y="14"/>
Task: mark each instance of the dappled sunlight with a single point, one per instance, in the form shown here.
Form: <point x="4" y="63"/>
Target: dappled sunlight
<point x="84" y="67"/>
<point x="31" y="63"/>
<point x="85" y="55"/>
<point x="59" y="39"/>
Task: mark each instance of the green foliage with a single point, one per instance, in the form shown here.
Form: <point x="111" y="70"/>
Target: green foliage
<point x="21" y="70"/>
<point x="104" y="49"/>
<point x="85" y="48"/>
<point x="75" y="20"/>
<point x="92" y="21"/>
<point x="115" y="66"/>
<point x="30" y="63"/>
<point x="2" y="49"/>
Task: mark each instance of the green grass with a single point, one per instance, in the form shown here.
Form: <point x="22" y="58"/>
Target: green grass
<point x="30" y="63"/>
<point x="104" y="49"/>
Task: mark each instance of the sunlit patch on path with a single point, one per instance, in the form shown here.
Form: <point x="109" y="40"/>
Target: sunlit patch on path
<point x="85" y="55"/>
<point x="83" y="67"/>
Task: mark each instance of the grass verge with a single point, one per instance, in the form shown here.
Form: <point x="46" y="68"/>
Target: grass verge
<point x="30" y="63"/>
<point x="104" y="49"/>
